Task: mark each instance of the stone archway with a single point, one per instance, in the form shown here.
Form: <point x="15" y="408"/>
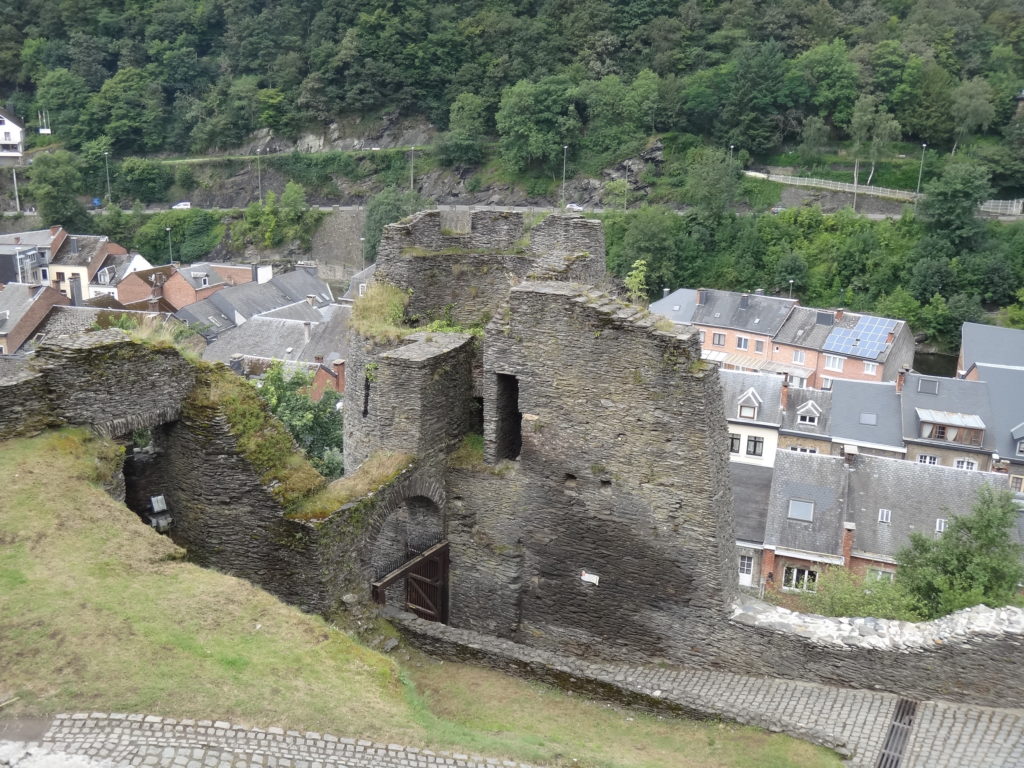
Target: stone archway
<point x="411" y="540"/>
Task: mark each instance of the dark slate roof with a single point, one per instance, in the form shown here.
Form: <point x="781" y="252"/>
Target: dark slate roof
<point x="208" y="316"/>
<point x="285" y="339"/>
<point x="809" y="327"/>
<point x="300" y="283"/>
<point x="768" y="386"/>
<point x="915" y="495"/>
<point x="194" y="274"/>
<point x="955" y="396"/>
<point x="751" y="486"/>
<point x="856" y="403"/>
<point x="808" y="477"/>
<point x="363" y="276"/>
<point x="15" y="300"/>
<point x="989" y="344"/>
<point x="799" y="401"/>
<point x="82" y="256"/>
<point x="1006" y="400"/>
<point x="742" y="311"/>
<point x="298" y="310"/>
<point x="678" y="306"/>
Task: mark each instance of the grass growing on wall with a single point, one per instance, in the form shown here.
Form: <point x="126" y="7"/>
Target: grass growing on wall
<point x="263" y="440"/>
<point x="373" y="474"/>
<point x="379" y="313"/>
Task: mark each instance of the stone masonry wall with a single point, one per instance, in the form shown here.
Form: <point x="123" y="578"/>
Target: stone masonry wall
<point x="413" y="398"/>
<point x="469" y="273"/>
<point x="622" y="473"/>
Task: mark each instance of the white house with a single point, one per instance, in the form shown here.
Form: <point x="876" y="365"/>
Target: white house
<point x="12" y="141"/>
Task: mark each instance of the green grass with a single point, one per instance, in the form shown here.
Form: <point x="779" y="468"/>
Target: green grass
<point x="99" y="613"/>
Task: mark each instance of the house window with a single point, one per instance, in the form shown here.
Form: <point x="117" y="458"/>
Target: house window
<point x="870" y="369"/>
<point x="807" y="418"/>
<point x="748" y="411"/>
<point x="742" y="342"/>
<point x="759" y="347"/>
<point x="60" y="277"/>
<point x="1020" y="447"/>
<point x="718" y="339"/>
<point x="826" y="382"/>
<point x="362" y="291"/>
<point x="798" y="356"/>
<point x="940" y="524"/>
<point x="966" y="464"/>
<point x="734" y="442"/>
<point x="834" y="362"/>
<point x="927" y="458"/>
<point x="746" y="570"/>
<point x="801" y="510"/>
<point x="802" y="449"/>
<point x="755" y="446"/>
<point x="803" y="579"/>
<point x="885" y="515"/>
<point x="877" y="574"/>
<point x="1017" y="483"/>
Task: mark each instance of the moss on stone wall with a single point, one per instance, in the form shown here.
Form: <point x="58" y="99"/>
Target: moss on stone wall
<point x="373" y="474"/>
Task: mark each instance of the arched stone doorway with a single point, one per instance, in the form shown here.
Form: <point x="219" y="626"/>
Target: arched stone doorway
<point x="410" y="560"/>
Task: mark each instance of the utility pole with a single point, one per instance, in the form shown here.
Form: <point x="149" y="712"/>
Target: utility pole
<point x="920" y="173"/>
<point x="412" y="169"/>
<point x="259" y="175"/>
<point x="17" y="200"/>
<point x="106" y="163"/>
<point x="856" y="176"/>
<point x="565" y="155"/>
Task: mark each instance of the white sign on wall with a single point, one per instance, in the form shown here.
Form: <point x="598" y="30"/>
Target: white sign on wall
<point x="590" y="578"/>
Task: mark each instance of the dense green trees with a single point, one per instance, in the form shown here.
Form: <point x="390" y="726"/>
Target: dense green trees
<point x="386" y="207"/>
<point x="596" y="74"/>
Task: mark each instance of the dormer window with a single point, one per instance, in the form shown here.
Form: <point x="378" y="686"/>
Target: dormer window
<point x="1020" y="447"/>
<point x="749" y="404"/>
<point x="960" y="428"/>
<point x="808" y="413"/>
<point x="204" y="281"/>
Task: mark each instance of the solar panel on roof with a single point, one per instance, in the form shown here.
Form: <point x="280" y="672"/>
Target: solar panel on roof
<point x="866" y="339"/>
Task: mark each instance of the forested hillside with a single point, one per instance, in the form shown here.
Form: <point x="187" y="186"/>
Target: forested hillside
<point x="598" y="76"/>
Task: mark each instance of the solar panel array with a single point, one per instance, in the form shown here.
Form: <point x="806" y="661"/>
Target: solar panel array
<point x="866" y="339"/>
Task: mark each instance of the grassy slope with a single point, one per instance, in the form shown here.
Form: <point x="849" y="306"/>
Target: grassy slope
<point x="98" y="612"/>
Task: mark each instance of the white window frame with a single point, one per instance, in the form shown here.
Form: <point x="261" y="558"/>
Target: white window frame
<point x="884" y="515"/>
<point x="1020" y="447"/>
<point x="927" y="458"/>
<point x="940" y="524"/>
<point x="362" y="292"/>
<point x="746" y="567"/>
<point x="748" y="411"/>
<point x="742" y="342"/>
<point x="799" y="579"/>
<point x="805" y="516"/>
<point x="826" y="382"/>
<point x="834" y="363"/>
<point x="755" y="445"/>
<point x="966" y="464"/>
<point x="870" y="369"/>
<point x="700" y="333"/>
<point x="758" y="346"/>
<point x="799" y="356"/>
<point x="717" y="339"/>
<point x="807" y="418"/>
<point x="878" y="574"/>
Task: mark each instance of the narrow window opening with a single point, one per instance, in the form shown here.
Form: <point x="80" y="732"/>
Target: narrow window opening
<point x="510" y="418"/>
<point x="477" y="417"/>
<point x="366" y="396"/>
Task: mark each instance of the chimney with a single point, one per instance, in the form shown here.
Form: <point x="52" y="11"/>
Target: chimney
<point x="235" y="363"/>
<point x="319" y="359"/>
<point x="306" y="326"/>
<point x="850" y="454"/>
<point x="759" y="291"/>
<point x="256" y="273"/>
<point x="339" y="371"/>
<point x="839" y="314"/>
<point x="74" y="245"/>
<point x="744" y="301"/>
<point x="75" y="288"/>
<point x="784" y="394"/>
<point x="891" y="337"/>
<point x="849" y="531"/>
<point x="665" y="292"/>
<point x="702" y="297"/>
<point x="901" y="379"/>
<point x="311" y="299"/>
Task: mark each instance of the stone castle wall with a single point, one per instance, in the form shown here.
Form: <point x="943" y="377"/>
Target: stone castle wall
<point x="468" y="274"/>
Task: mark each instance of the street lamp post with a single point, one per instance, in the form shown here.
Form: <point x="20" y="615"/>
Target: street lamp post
<point x="106" y="165"/>
<point x="791" y="288"/>
<point x="362" y="250"/>
<point x="259" y="175"/>
<point x="731" y="148"/>
<point x="920" y="173"/>
<point x="170" y="253"/>
<point x="565" y="155"/>
<point x="412" y="169"/>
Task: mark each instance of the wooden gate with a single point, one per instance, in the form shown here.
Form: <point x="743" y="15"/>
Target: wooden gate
<point x="426" y="582"/>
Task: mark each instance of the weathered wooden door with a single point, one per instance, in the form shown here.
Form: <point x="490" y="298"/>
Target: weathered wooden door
<point x="426" y="585"/>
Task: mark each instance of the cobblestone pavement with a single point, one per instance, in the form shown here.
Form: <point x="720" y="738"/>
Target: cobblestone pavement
<point x="160" y="742"/>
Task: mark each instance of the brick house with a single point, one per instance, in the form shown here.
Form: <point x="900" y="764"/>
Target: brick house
<point x="78" y="259"/>
<point x="22" y="309"/>
<point x="195" y="282"/>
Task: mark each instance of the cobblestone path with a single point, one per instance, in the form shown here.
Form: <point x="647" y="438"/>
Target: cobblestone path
<point x="162" y="742"/>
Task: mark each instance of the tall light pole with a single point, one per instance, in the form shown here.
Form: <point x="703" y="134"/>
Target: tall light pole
<point x="731" y="148"/>
<point x="920" y="173"/>
<point x="106" y="164"/>
<point x="17" y="200"/>
<point x="412" y="169"/>
<point x="362" y="250"/>
<point x="170" y="253"/>
<point x="791" y="288"/>
<point x="565" y="155"/>
<point x="259" y="175"/>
